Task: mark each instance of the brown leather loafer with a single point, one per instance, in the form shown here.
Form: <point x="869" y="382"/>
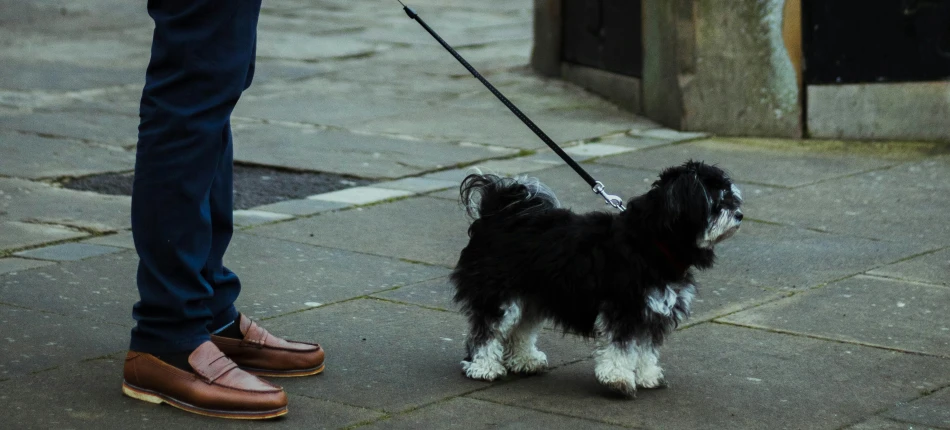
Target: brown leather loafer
<point x="264" y="354"/>
<point x="217" y="388"/>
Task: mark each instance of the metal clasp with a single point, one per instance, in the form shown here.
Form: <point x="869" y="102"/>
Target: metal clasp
<point x="610" y="199"/>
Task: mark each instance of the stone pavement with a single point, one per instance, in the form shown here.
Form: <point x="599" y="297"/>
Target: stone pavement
<point x="829" y="310"/>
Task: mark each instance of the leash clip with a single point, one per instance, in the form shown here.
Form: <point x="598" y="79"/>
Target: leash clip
<point x="610" y="199"/>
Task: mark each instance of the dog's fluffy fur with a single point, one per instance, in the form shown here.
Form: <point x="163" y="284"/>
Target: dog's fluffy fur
<point x="620" y="277"/>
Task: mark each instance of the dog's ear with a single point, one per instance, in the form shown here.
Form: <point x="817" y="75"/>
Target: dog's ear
<point x="682" y="197"/>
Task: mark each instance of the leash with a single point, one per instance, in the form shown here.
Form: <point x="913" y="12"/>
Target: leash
<point x="596" y="186"/>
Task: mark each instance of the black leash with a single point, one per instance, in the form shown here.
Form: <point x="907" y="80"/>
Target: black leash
<point x="597" y="186"/>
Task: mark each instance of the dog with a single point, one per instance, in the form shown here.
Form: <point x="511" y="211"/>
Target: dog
<point x="621" y="278"/>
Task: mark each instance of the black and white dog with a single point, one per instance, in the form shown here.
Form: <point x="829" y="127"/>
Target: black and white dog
<point x="620" y="277"/>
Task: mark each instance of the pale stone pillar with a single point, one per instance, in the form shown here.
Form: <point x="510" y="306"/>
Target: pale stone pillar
<point x="726" y="67"/>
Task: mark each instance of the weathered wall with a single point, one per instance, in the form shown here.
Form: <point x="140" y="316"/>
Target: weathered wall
<point x="903" y="111"/>
<point x="546" y="55"/>
<point x="667" y="62"/>
<point x="745" y="82"/>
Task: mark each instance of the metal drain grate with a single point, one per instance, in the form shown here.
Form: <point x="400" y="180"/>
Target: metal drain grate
<point x="253" y="185"/>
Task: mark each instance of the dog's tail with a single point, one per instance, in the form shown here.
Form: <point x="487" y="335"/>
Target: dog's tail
<point x="486" y="196"/>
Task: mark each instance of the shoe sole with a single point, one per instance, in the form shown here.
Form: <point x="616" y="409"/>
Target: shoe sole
<point x="284" y="373"/>
<point x="158" y="398"/>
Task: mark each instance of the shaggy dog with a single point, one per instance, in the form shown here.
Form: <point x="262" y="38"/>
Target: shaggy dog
<point x="622" y="278"/>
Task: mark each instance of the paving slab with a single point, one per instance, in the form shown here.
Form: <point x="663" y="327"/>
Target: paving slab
<point x="435" y="77"/>
<point x="667" y="134"/>
<point x="435" y="293"/>
<point x="465" y="413"/>
<point x="456" y="36"/>
<point x="280" y="276"/>
<point x="762" y="163"/>
<point x="277" y="277"/>
<point x="69" y="18"/>
<point x="318" y="108"/>
<point x="278" y="70"/>
<point x="121" y="50"/>
<point x="594" y="150"/>
<point x="417" y="185"/>
<point x="14" y="265"/>
<point x="730" y="377"/>
<point x="494" y="9"/>
<point x="452" y="175"/>
<point x="877" y="423"/>
<point x="244" y="218"/>
<point x="361" y="155"/>
<point x="876" y="311"/>
<point x="302" y="207"/>
<point x="22" y="200"/>
<point x="122" y="101"/>
<point x="530" y="92"/>
<point x="373" y="363"/>
<point x="774" y="256"/>
<point x="68" y="252"/>
<point x="43" y="340"/>
<point x="495" y="126"/>
<point x="361" y="195"/>
<point x="407" y="80"/>
<point x="928" y="411"/>
<point x="933" y="268"/>
<point x="514" y="166"/>
<point x="99" y="127"/>
<point x="547" y="156"/>
<point x="489" y="60"/>
<point x="118" y="240"/>
<point x="903" y="203"/>
<point x="31" y="75"/>
<point x="34" y="157"/>
<point x="721" y="293"/>
<point x="88" y="395"/>
<point x="307" y="47"/>
<point x="98" y="289"/>
<point x="16" y="235"/>
<point x="287" y="21"/>
<point x="423" y="229"/>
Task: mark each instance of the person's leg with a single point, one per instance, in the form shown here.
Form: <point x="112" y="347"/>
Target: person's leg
<point x="224" y="282"/>
<point x="201" y="59"/>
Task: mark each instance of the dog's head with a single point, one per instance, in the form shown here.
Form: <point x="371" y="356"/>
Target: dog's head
<point x="698" y="202"/>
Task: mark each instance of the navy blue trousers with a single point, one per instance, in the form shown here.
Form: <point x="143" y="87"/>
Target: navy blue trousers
<point x="182" y="199"/>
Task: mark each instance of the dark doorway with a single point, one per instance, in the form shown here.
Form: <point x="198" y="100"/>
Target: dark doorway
<point x="604" y="34"/>
<point x="861" y="41"/>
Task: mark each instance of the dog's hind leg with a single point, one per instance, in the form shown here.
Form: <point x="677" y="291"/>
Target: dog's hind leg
<point x="616" y="365"/>
<point x="649" y="373"/>
<point x="521" y="353"/>
<point x="486" y="345"/>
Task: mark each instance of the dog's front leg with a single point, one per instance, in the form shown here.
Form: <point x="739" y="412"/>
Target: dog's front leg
<point x="649" y="372"/>
<point x="616" y="365"/>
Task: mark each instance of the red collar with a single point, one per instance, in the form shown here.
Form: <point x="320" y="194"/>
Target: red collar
<point x="678" y="265"/>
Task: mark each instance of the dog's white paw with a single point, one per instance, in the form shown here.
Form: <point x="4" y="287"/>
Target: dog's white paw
<point x="616" y="378"/>
<point x="531" y="362"/>
<point x="486" y="370"/>
<point x="651" y="377"/>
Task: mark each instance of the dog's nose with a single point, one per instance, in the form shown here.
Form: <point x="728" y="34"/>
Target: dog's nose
<point x="739" y="216"/>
